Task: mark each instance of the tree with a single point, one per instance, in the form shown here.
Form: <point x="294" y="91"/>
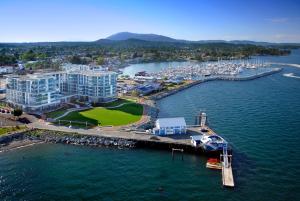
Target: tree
<point x="7" y="60"/>
<point x="28" y="56"/>
<point x="17" y="112"/>
<point x="135" y="93"/>
<point x="100" y="60"/>
<point x="77" y="60"/>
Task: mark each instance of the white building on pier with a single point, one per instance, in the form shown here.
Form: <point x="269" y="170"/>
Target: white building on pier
<point x="170" y="126"/>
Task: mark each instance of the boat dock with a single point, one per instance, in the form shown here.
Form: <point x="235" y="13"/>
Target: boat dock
<point x="227" y="176"/>
<point x="225" y="161"/>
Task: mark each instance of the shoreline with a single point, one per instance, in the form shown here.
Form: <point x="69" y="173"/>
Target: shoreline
<point x="120" y="140"/>
<point x="18" y="144"/>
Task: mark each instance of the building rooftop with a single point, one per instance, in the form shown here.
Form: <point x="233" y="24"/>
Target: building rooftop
<point x="31" y="76"/>
<point x="91" y="72"/>
<point x="170" y="122"/>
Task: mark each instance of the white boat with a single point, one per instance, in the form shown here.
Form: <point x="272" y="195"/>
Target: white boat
<point x="212" y="142"/>
<point x="208" y="142"/>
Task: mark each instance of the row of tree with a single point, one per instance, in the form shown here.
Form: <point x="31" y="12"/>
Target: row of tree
<point x="83" y="53"/>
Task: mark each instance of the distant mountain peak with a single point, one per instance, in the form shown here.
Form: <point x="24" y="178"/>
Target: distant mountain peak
<point x="146" y="37"/>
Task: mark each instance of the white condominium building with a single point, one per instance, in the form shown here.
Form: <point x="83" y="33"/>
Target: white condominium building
<point x="96" y="86"/>
<point x="35" y="91"/>
<point x="38" y="92"/>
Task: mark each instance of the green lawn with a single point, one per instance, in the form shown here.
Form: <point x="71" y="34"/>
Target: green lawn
<point x="117" y="102"/>
<point x="5" y="130"/>
<point x="123" y="115"/>
<point x="58" y="112"/>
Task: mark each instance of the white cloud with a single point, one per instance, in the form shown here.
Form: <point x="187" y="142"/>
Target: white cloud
<point x="286" y="37"/>
<point x="278" y="20"/>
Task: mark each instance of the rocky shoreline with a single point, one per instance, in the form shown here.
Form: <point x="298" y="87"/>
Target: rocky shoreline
<point x="55" y="137"/>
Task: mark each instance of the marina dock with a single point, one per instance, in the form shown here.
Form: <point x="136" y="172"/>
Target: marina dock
<point x="227" y="176"/>
<point x="213" y="163"/>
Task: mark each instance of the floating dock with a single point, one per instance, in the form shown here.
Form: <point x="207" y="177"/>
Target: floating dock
<point x="227" y="176"/>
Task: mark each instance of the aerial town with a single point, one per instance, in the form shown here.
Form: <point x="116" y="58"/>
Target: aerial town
<point x="149" y="100"/>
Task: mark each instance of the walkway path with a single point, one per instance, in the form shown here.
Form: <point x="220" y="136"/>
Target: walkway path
<point x="71" y="110"/>
<point x="116" y="106"/>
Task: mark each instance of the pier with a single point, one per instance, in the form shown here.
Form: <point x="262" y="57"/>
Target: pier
<point x="227" y="176"/>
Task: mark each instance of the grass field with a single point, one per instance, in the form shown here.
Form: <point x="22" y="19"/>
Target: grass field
<point x="123" y="115"/>
<point x="5" y="130"/>
<point x="56" y="113"/>
<point x="117" y="102"/>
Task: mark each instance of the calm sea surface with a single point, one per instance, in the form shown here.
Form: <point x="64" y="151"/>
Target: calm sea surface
<point x="260" y="118"/>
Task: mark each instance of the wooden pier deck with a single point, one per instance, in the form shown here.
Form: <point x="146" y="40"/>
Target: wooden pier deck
<point x="227" y="176"/>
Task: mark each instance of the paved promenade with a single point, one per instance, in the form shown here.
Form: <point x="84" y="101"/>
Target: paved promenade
<point x="117" y="132"/>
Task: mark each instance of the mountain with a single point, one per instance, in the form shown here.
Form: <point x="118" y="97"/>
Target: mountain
<point x="122" y="36"/>
<point x="146" y="37"/>
<point x="127" y="39"/>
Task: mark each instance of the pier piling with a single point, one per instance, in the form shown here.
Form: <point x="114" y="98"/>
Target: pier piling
<point x="179" y="150"/>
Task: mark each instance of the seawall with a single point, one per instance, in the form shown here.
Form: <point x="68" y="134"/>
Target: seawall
<point x="58" y="137"/>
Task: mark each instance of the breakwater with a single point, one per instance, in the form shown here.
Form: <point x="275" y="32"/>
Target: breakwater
<point x="164" y="94"/>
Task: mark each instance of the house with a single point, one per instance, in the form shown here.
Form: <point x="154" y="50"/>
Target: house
<point x="170" y="126"/>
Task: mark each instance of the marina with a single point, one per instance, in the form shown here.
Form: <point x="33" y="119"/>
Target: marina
<point x="221" y="69"/>
<point x="163" y="94"/>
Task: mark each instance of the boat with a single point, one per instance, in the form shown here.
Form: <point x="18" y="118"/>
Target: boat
<point x="208" y="142"/>
<point x="212" y="142"/>
<point x="214" y="163"/>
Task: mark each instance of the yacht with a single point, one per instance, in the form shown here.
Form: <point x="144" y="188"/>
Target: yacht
<point x="212" y="142"/>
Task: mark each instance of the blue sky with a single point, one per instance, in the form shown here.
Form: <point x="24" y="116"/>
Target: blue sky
<point x="87" y="20"/>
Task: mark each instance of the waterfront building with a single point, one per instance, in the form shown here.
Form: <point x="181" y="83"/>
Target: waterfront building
<point x="36" y="92"/>
<point x="170" y="126"/>
<point x="94" y="86"/>
<point x="44" y="91"/>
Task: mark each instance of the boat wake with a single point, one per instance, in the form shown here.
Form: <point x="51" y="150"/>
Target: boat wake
<point x="291" y="75"/>
<point x="286" y="64"/>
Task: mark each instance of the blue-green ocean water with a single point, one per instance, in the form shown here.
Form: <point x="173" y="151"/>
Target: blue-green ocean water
<point x="260" y="118"/>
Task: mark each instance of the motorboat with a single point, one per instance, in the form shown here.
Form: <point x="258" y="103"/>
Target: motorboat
<point x="213" y="163"/>
<point x="212" y="142"/>
<point x="208" y="142"/>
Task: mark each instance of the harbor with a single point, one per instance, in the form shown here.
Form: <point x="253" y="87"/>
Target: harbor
<point x="198" y="139"/>
<point x="222" y="122"/>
